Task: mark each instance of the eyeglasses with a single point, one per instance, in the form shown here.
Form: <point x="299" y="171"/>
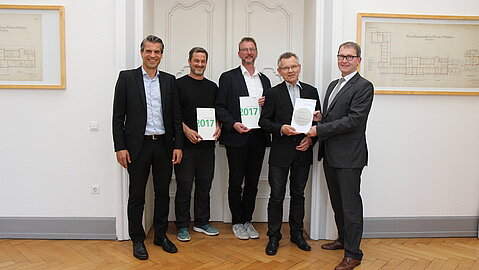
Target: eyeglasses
<point x="294" y="67"/>
<point x="247" y="49"/>
<point x="348" y="57"/>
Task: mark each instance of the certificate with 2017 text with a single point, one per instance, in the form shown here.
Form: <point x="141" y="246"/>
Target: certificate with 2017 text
<point x="250" y="111"/>
<point x="206" y="122"/>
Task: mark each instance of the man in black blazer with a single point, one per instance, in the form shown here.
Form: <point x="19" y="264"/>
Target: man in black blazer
<point x="147" y="132"/>
<point x="244" y="147"/>
<point x="342" y="132"/>
<point x="291" y="152"/>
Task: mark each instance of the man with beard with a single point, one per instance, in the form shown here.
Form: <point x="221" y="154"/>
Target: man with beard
<point x="244" y="147"/>
<point x="198" y="163"/>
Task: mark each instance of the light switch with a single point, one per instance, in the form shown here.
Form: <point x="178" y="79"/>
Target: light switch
<point x="94" y="126"/>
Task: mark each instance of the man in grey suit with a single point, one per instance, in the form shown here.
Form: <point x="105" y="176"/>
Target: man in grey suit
<point x="342" y="132"/>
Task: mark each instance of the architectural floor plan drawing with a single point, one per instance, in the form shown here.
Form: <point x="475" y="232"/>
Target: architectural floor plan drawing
<point x="17" y="58"/>
<point x="21" y="47"/>
<point x="421" y="55"/>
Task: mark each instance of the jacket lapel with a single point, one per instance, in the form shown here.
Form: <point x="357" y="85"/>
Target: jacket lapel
<point x="243" y="87"/>
<point x="163" y="88"/>
<point x="328" y="94"/>
<point x="343" y="90"/>
<point x="141" y="86"/>
<point x="285" y="96"/>
<point x="264" y="82"/>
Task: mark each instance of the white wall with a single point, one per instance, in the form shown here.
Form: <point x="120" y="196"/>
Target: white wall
<point x="424" y="149"/>
<point x="48" y="156"/>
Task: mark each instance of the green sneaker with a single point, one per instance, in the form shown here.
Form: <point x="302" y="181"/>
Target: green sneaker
<point x="206" y="229"/>
<point x="183" y="235"/>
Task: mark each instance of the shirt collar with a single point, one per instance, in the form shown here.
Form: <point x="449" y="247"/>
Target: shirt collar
<point x="290" y="86"/>
<point x="244" y="71"/>
<point x="349" y="76"/>
<point x="143" y="71"/>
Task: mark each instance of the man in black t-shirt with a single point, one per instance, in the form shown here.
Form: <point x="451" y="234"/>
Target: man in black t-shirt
<point x="198" y="162"/>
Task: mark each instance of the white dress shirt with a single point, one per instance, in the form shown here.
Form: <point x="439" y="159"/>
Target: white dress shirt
<point x="253" y="82"/>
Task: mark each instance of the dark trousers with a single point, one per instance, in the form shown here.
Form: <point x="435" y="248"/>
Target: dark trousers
<point x="153" y="155"/>
<point x="344" y="187"/>
<point x="198" y="166"/>
<point x="277" y="178"/>
<point x="245" y="163"/>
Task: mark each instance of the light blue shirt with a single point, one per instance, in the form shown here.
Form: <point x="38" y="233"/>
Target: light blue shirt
<point x="154" y="111"/>
<point x="293" y="91"/>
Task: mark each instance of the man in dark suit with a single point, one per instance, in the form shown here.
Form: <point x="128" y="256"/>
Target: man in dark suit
<point x="147" y="132"/>
<point x="291" y="152"/>
<point x="245" y="147"/>
<point x="343" y="136"/>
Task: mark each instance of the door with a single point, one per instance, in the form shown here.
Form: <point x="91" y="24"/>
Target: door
<point x="218" y="25"/>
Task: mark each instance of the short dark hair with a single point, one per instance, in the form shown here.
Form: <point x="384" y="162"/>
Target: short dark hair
<point x="197" y="50"/>
<point x="287" y="55"/>
<point x="152" y="39"/>
<point x="247" y="39"/>
<point x="351" y="44"/>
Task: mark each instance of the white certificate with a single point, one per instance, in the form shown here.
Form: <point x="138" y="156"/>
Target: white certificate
<point x="250" y="111"/>
<point x="303" y="114"/>
<point x="206" y="122"/>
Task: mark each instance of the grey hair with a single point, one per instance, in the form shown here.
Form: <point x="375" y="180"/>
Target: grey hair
<point x="287" y="55"/>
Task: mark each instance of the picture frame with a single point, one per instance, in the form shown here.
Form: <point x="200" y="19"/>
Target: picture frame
<point x="420" y="54"/>
<point x="32" y="47"/>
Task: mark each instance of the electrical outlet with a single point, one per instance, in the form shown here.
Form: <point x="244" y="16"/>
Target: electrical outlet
<point x="95" y="189"/>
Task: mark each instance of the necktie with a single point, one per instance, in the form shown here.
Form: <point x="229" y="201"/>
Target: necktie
<point x="335" y="91"/>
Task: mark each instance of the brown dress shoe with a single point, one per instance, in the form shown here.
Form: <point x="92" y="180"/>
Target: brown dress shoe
<point x="348" y="263"/>
<point x="333" y="245"/>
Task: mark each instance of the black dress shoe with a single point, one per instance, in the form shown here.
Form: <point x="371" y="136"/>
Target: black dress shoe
<point x="272" y="246"/>
<point x="166" y="244"/>
<point x="139" y="251"/>
<point x="301" y="243"/>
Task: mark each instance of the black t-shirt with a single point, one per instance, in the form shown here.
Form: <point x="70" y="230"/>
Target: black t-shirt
<point x="195" y="94"/>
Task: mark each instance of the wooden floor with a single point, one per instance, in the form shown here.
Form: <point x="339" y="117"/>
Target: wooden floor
<point x="227" y="252"/>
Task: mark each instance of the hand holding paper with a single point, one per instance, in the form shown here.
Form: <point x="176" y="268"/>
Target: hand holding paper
<point x="240" y="127"/>
<point x="192" y="135"/>
<point x="288" y="130"/>
<point x="217" y="133"/>
<point x="312" y="132"/>
<point x="261" y="101"/>
<point x="317" y="116"/>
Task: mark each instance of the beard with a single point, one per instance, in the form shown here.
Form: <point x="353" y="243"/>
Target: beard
<point x="197" y="72"/>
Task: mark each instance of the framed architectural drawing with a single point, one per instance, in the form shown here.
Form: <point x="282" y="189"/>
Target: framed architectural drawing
<point x="32" y="47"/>
<point x="420" y="54"/>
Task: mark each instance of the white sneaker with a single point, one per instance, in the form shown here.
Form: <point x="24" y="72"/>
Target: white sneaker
<point x="250" y="230"/>
<point x="240" y="231"/>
